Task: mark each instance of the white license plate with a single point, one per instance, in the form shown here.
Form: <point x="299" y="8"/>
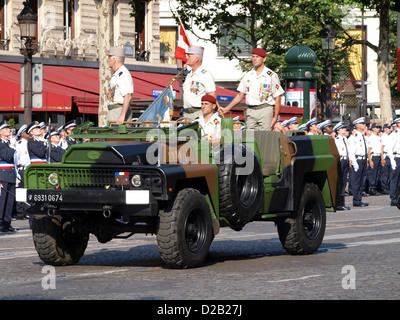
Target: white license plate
<point x="137" y="197"/>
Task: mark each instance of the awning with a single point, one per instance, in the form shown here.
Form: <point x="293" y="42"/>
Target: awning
<point x="63" y="86"/>
<point x="58" y="89"/>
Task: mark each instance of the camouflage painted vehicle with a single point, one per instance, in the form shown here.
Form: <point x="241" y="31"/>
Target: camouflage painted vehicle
<point x="169" y="182"/>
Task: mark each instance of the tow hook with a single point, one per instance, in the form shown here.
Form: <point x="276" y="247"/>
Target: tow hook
<point x="107" y="211"/>
<point x="51" y="210"/>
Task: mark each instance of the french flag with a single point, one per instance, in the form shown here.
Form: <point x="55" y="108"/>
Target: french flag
<point x="183" y="44"/>
<point x="122" y="173"/>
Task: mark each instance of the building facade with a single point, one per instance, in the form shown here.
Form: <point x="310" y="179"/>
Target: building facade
<point x="67" y="29"/>
<point x="67" y="37"/>
<point x="67" y="34"/>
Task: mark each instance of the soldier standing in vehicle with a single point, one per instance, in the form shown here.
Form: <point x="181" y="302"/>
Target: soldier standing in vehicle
<point x="199" y="82"/>
<point x="358" y="155"/>
<point x="263" y="92"/>
<point x="7" y="178"/>
<point x="341" y="145"/>
<point x="120" y="88"/>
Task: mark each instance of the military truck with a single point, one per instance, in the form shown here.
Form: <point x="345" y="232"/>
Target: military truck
<point x="165" y="180"/>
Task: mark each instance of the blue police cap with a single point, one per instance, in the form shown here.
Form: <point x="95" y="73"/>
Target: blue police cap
<point x="338" y="126"/>
<point x="311" y="122"/>
<point x="323" y="125"/>
<point x="359" y="120"/>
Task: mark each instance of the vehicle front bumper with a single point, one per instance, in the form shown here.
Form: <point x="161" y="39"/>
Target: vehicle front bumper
<point x="134" y="201"/>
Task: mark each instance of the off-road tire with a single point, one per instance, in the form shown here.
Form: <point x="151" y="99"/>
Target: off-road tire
<point x="53" y="245"/>
<point x="303" y="234"/>
<point x="185" y="230"/>
<point x="240" y="196"/>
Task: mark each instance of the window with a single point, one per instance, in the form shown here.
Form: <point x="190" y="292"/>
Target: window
<point x="3" y="42"/>
<point x="69" y="19"/>
<point x="34" y="7"/>
<point x="228" y="41"/>
<point x="168" y="39"/>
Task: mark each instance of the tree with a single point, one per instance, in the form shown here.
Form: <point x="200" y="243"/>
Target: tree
<point x="273" y="25"/>
<point x="105" y="36"/>
<point x="276" y="26"/>
<point x="382" y="8"/>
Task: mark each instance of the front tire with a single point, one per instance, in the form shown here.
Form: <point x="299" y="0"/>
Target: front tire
<point x="185" y="230"/>
<point x="304" y="233"/>
<point x="56" y="241"/>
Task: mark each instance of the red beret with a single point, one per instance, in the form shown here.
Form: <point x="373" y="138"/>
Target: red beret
<point x="208" y="98"/>
<point x="260" y="52"/>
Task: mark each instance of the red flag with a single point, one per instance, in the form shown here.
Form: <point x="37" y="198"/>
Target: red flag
<point x="183" y="44"/>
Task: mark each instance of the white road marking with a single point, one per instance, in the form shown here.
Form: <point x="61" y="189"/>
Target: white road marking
<point x="296" y="279"/>
<point x="359" y="234"/>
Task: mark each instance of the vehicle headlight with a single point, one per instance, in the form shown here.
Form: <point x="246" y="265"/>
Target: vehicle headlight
<point x="53" y="178"/>
<point x="136" y="180"/>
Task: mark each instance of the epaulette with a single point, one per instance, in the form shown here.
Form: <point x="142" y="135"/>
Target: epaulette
<point x="203" y="71"/>
<point x="269" y="73"/>
<point x="120" y="74"/>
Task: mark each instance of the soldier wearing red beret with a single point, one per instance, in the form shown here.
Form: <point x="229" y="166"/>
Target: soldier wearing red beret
<point x="263" y="91"/>
<point x="210" y="121"/>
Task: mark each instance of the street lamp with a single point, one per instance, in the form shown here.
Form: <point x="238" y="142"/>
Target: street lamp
<point x="27" y="20"/>
<point x="328" y="37"/>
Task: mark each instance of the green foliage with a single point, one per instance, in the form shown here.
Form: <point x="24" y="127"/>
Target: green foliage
<point x="11" y="123"/>
<point x="273" y="25"/>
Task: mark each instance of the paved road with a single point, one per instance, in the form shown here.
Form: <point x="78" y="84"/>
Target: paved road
<point x="359" y="259"/>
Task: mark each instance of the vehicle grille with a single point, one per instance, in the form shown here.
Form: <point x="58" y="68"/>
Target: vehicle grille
<point x="91" y="178"/>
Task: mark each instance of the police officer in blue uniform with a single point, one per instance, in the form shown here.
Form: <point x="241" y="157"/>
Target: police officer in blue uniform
<point x="374" y="158"/>
<point x="358" y="155"/>
<point x="56" y="151"/>
<point x="326" y="128"/>
<point x="394" y="156"/>
<point x="7" y="178"/>
<point x="36" y="146"/>
<point x="68" y="127"/>
<point x="341" y="145"/>
<point x="385" y="172"/>
<point x="312" y="126"/>
<point x="22" y="160"/>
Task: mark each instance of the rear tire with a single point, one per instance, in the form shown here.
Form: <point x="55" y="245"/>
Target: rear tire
<point x="55" y="240"/>
<point x="185" y="230"/>
<point x="304" y="233"/>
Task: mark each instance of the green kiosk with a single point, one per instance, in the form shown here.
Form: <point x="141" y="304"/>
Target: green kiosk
<point x="301" y="80"/>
